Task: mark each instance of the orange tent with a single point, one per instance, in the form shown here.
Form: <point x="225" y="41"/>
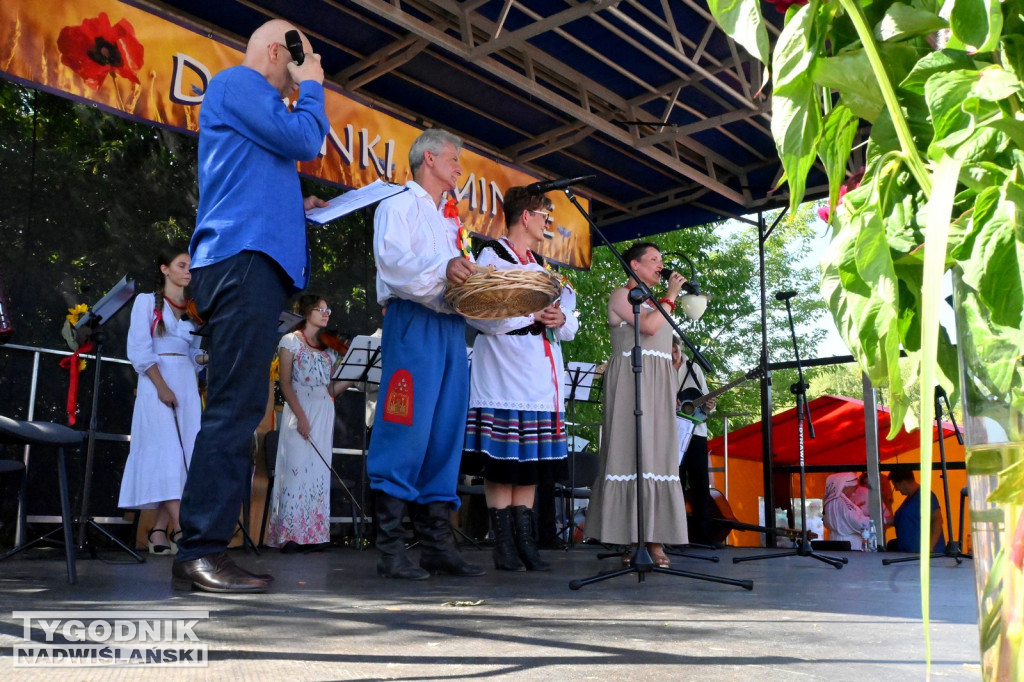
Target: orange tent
<point x="840" y="442"/>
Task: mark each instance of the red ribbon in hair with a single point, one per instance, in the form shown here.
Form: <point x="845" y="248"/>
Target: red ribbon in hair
<point x="72" y="364"/>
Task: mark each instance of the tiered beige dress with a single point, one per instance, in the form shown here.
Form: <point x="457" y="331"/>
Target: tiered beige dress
<point x="611" y="515"/>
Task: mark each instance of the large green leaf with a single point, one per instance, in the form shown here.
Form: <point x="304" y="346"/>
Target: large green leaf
<point x="796" y="114"/>
<point x="837" y="135"/>
<point x="1001" y="345"/>
<point x="932" y="63"/>
<point x="977" y="24"/>
<point x="742" y="21"/>
<point x="850" y="74"/>
<point x="945" y="92"/>
<point x="1011" y="54"/>
<point x="992" y="268"/>
<point x="903" y="21"/>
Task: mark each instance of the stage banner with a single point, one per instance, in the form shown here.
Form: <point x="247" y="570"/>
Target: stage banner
<point x="139" y="63"/>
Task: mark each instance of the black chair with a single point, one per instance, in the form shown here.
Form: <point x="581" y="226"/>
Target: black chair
<point x="11" y="466"/>
<point x="270" y="459"/>
<point x="474" y="490"/>
<point x="58" y="437"/>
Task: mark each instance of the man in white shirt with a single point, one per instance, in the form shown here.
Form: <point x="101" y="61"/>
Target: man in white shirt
<point x="693" y="472"/>
<point x="418" y="430"/>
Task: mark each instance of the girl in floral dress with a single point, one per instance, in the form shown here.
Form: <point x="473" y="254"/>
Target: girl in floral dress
<point x="301" y="498"/>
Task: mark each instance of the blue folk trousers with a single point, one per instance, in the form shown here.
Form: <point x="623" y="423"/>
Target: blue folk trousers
<point x="419" y="461"/>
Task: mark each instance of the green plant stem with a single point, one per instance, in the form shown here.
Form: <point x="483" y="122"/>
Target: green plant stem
<point x="899" y="122"/>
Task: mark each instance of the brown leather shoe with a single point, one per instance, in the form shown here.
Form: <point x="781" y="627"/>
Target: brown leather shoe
<point x="214" y="573"/>
<point x="266" y="577"/>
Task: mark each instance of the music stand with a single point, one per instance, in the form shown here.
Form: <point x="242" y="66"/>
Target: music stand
<point x="362" y="365"/>
<point x="579" y="384"/>
<point x="90" y="327"/>
<point x="953" y="549"/>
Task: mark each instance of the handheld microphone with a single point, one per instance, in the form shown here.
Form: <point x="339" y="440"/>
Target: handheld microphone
<point x="294" y="44"/>
<point x="666" y="273"/>
<point x="785" y="295"/>
<point x="550" y="185"/>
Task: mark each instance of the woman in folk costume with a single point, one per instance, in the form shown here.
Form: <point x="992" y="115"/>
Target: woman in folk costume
<point x="165" y="421"/>
<point x="611" y="515"/>
<point x="515" y="432"/>
<point x="843" y="518"/>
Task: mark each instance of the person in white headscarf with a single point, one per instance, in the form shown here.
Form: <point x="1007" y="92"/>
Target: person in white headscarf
<point x="843" y="518"/>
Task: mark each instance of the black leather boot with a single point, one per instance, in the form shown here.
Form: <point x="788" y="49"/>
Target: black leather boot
<point x="506" y="556"/>
<point x="393" y="563"/>
<point x="433" y="526"/>
<point x="526" y="541"/>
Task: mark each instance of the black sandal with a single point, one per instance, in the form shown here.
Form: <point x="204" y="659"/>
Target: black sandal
<point x="175" y="538"/>
<point x="158" y="550"/>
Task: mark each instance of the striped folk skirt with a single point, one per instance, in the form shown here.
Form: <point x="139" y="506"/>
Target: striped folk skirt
<point x="514" y="447"/>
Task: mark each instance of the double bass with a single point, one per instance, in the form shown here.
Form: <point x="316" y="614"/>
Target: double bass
<point x="724" y="521"/>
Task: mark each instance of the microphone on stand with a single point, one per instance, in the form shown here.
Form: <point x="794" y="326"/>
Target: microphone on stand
<point x="785" y="295"/>
<point x="550" y="185"/>
<point x="293" y="42"/>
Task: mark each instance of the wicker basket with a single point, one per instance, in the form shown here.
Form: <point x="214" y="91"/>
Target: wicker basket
<point x="494" y="294"/>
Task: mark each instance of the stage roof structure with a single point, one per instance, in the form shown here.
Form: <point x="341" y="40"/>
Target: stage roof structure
<point x="648" y="95"/>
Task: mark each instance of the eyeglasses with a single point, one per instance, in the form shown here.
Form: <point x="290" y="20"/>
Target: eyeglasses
<point x="547" y="217"/>
<point x="325" y="311"/>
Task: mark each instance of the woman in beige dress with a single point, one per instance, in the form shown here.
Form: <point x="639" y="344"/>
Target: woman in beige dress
<point x="611" y="515"/>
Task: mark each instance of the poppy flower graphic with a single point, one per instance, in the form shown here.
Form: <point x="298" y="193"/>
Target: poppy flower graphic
<point x="95" y="49"/>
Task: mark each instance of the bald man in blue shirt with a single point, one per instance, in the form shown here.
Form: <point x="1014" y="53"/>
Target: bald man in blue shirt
<point x="249" y="256"/>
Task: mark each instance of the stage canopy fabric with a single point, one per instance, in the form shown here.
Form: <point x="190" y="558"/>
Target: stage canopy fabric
<point x="648" y="95"/>
<point x="839" y="430"/>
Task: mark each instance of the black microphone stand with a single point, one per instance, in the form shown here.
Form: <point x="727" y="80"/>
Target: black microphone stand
<point x="641" y="562"/>
<point x="953" y="549"/>
<point x="799" y="389"/>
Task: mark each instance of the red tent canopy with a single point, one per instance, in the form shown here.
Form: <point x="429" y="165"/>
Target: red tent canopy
<point x="839" y="430"/>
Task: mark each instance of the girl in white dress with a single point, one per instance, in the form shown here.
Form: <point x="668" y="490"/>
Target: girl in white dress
<point x="166" y="354"/>
<point x="300" y="504"/>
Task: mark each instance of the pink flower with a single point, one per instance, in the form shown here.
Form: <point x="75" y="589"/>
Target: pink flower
<point x="853" y="182"/>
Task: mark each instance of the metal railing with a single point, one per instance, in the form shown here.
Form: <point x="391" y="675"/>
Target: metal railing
<point x="33" y="389"/>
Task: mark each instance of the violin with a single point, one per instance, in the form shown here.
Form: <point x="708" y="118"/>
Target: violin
<point x="193" y="312"/>
<point x="333" y="340"/>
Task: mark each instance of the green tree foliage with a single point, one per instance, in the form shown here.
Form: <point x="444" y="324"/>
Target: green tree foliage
<point x="725" y="257"/>
<point x="90" y="197"/>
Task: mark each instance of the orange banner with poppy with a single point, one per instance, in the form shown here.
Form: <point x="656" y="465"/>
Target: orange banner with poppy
<point x="144" y="65"/>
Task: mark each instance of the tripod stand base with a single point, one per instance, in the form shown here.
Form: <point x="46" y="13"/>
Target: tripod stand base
<point x="689" y="555"/>
<point x="837" y="562"/>
<point x="642" y="564"/>
<point x="87" y="547"/>
<point x="952" y="552"/>
<point x="247" y="542"/>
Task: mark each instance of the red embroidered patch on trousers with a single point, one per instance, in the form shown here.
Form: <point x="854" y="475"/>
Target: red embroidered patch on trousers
<point x="398" y="403"/>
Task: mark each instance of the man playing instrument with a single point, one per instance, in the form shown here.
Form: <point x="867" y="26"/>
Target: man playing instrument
<point x="693" y="471"/>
